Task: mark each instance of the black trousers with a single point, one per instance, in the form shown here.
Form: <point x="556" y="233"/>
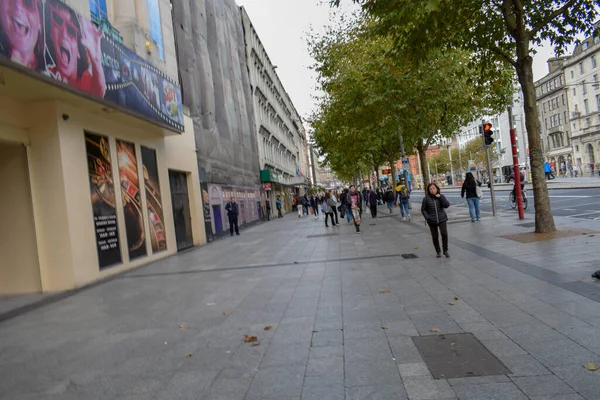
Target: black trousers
<point x="329" y="215"/>
<point x="373" y="211"/>
<point x="443" y="228"/>
<point x="268" y="214"/>
<point x="233" y="222"/>
<point x="279" y="213"/>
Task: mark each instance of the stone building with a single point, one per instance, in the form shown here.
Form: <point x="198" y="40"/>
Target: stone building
<point x="97" y="153"/>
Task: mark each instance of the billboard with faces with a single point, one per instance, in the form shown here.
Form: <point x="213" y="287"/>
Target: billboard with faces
<point x="50" y="39"/>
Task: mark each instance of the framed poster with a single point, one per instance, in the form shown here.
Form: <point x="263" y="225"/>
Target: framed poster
<point x="158" y="237"/>
<point x="102" y="194"/>
<point x="132" y="199"/>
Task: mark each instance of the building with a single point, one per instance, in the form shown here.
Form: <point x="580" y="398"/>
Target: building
<point x="281" y="136"/>
<point x="553" y="109"/>
<point x="581" y="74"/>
<point x="214" y="75"/>
<point x="97" y="154"/>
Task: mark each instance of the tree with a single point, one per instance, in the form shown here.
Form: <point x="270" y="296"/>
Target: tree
<point x="494" y="29"/>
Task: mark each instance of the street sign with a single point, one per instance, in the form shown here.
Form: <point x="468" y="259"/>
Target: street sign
<point x="266" y="187"/>
<point x="405" y="163"/>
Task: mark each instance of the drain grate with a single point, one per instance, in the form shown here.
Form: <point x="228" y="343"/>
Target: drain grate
<point x="527" y="225"/>
<point x="322" y="235"/>
<point x="409" y="256"/>
<point x="458" y="355"/>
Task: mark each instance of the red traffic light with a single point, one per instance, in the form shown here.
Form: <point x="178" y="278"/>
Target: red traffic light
<point x="487" y="127"/>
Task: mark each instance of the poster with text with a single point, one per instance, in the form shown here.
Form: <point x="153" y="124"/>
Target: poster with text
<point x="158" y="236"/>
<point x="132" y="200"/>
<point x="102" y="193"/>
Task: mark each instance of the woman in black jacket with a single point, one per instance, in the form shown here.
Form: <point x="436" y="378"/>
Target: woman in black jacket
<point x="432" y="209"/>
<point x="470" y="188"/>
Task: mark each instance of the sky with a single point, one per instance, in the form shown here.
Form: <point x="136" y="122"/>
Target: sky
<point x="283" y="27"/>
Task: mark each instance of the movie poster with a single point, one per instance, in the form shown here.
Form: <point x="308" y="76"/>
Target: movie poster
<point x="51" y="39"/>
<point x="132" y="200"/>
<point x="102" y="193"/>
<point x="158" y="237"/>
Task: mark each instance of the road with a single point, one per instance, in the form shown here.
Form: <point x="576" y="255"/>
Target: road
<point x="573" y="203"/>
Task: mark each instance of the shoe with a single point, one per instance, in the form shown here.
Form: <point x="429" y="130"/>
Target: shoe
<point x="478" y="219"/>
<point x="403" y="219"/>
<point x="408" y="217"/>
<point x="438" y="255"/>
<point x="446" y="254"/>
<point x="237" y="233"/>
<point x="326" y="226"/>
<point x="472" y="220"/>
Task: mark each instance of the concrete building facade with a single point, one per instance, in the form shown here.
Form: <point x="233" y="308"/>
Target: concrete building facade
<point x="282" y="146"/>
<point x="582" y="76"/>
<point x="96" y="150"/>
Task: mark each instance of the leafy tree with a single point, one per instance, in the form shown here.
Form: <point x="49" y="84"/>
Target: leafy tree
<point x="493" y="29"/>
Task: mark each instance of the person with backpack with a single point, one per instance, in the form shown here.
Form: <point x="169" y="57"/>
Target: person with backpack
<point x="354" y="199"/>
<point x="472" y="188"/>
<point x="433" y="209"/>
<point x="388" y="197"/>
<point x="328" y="207"/>
<point x="278" y="205"/>
<point x="403" y="200"/>
<point x="373" y="201"/>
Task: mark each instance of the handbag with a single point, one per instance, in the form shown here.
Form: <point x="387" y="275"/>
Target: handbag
<point x="478" y="191"/>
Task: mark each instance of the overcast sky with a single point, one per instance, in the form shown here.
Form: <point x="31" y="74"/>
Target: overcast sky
<point x="282" y="26"/>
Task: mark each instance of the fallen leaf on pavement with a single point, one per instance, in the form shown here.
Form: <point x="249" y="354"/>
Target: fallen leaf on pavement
<point x="452" y="303"/>
<point x="181" y="326"/>
<point x="591" y="367"/>
<point x="434" y="330"/>
<point x="227" y="312"/>
<point x="250" y="339"/>
<point x="188" y="355"/>
<point x="417" y="248"/>
<point x="254" y="344"/>
<point x="452" y="344"/>
<point x="268" y="328"/>
<point x="384" y="326"/>
<point x="456" y="298"/>
<point x="384" y="291"/>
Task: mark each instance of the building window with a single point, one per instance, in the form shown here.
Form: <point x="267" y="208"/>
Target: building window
<point x="565" y="116"/>
<point x="572" y="74"/>
<point x="593" y="61"/>
<point x="155" y="26"/>
<point x="584" y="87"/>
<point x="98" y="9"/>
<point x="563" y="99"/>
<point x="581" y="71"/>
<point x="576" y="147"/>
<point x="588" y="122"/>
<point x="598" y="101"/>
<point x="574" y="92"/>
<point x="544" y="107"/>
<point x="586" y="106"/>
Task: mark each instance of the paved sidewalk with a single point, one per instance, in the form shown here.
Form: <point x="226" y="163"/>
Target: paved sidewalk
<point x="586" y="182"/>
<point x="175" y="329"/>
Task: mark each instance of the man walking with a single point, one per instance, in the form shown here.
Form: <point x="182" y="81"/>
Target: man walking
<point x="403" y="199"/>
<point x="388" y="197"/>
<point x="373" y="203"/>
<point x="268" y="209"/>
<point x="232" y="213"/>
<point x="278" y="205"/>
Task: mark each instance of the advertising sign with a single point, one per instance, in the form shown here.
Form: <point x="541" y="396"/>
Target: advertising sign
<point x="102" y="193"/>
<point x="49" y="39"/>
<point x="158" y="236"/>
<point x="132" y="199"/>
<point x="267" y="187"/>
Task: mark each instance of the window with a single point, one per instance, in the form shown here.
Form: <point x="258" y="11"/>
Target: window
<point x="565" y="117"/>
<point x="586" y="106"/>
<point x="544" y="107"/>
<point x="588" y="122"/>
<point x="98" y="9"/>
<point x="572" y="74"/>
<point x="598" y="101"/>
<point x="563" y="99"/>
<point x="155" y="26"/>
<point x="584" y="87"/>
<point x="546" y="123"/>
<point x="576" y="108"/>
<point x="576" y="147"/>
<point x="574" y="92"/>
<point x="581" y="68"/>
<point x="593" y="58"/>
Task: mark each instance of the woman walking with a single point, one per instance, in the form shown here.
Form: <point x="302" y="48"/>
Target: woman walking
<point x="373" y="203"/>
<point x="315" y="206"/>
<point x="355" y="200"/>
<point x="328" y="207"/>
<point x="432" y="209"/>
<point x="470" y="188"/>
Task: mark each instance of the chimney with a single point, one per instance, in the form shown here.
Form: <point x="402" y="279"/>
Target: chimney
<point x="555" y="63"/>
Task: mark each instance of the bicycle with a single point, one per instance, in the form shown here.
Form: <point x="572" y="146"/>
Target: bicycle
<point x="512" y="199"/>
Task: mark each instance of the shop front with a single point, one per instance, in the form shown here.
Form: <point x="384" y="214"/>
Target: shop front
<point x="98" y="177"/>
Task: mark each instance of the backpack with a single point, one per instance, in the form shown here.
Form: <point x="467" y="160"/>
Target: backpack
<point x="596" y="275"/>
<point x="325" y="207"/>
<point x="404" y="193"/>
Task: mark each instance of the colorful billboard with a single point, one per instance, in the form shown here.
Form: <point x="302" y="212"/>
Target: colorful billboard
<point x="102" y="193"/>
<point x="158" y="236"/>
<point x="132" y="200"/>
<point x="50" y="39"/>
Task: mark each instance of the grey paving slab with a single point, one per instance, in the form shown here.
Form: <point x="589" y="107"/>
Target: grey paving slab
<point x="490" y="391"/>
<point x="371" y="372"/>
<point x="324" y="338"/>
<point x="379" y="392"/>
<point x="548" y="385"/>
<point x="425" y="388"/>
<point x="277" y="382"/>
<point x="326" y="352"/>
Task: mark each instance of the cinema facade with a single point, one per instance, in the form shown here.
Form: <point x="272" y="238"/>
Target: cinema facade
<point x="97" y="154"/>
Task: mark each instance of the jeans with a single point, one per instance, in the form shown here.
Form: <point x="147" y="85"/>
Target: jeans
<point x="435" y="236"/>
<point x="347" y="211"/>
<point x="390" y="205"/>
<point x="403" y="203"/>
<point x="474" y="208"/>
<point x="279" y="213"/>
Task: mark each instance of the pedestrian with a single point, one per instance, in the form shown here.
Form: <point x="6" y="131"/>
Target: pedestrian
<point x="548" y="171"/>
<point x="592" y="168"/>
<point x="232" y="213"/>
<point x="373" y="203"/>
<point x="470" y="187"/>
<point x="403" y="200"/>
<point x="355" y="200"/>
<point x="305" y="204"/>
<point x="432" y="208"/>
<point x="335" y="210"/>
<point x="576" y="170"/>
<point x="300" y="206"/>
<point x="346" y="204"/>
<point x="315" y="206"/>
<point x="389" y="198"/>
<point x="278" y="205"/>
<point x="328" y="207"/>
<point x="268" y="209"/>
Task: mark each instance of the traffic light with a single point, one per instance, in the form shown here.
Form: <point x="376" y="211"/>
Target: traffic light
<point x="488" y="134"/>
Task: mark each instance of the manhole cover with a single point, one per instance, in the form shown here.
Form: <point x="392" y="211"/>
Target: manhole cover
<point x="409" y="256"/>
<point x="527" y="225"/>
<point x="458" y="356"/>
<point x="322" y="235"/>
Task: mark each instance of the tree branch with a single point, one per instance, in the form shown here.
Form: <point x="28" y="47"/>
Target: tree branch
<point x="509" y="17"/>
<point x="549" y="18"/>
<point x="504" y="55"/>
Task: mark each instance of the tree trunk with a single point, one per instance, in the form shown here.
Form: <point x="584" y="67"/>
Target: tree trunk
<point x="393" y="168"/>
<point x="544" y="221"/>
<point x="423" y="157"/>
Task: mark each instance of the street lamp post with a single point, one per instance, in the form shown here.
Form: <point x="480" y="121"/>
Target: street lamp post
<point x="451" y="167"/>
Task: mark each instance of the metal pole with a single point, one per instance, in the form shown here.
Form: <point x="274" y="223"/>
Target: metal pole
<point x="489" y="168"/>
<point x="460" y="164"/>
<point x="516" y="169"/>
<point x="451" y="167"/>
